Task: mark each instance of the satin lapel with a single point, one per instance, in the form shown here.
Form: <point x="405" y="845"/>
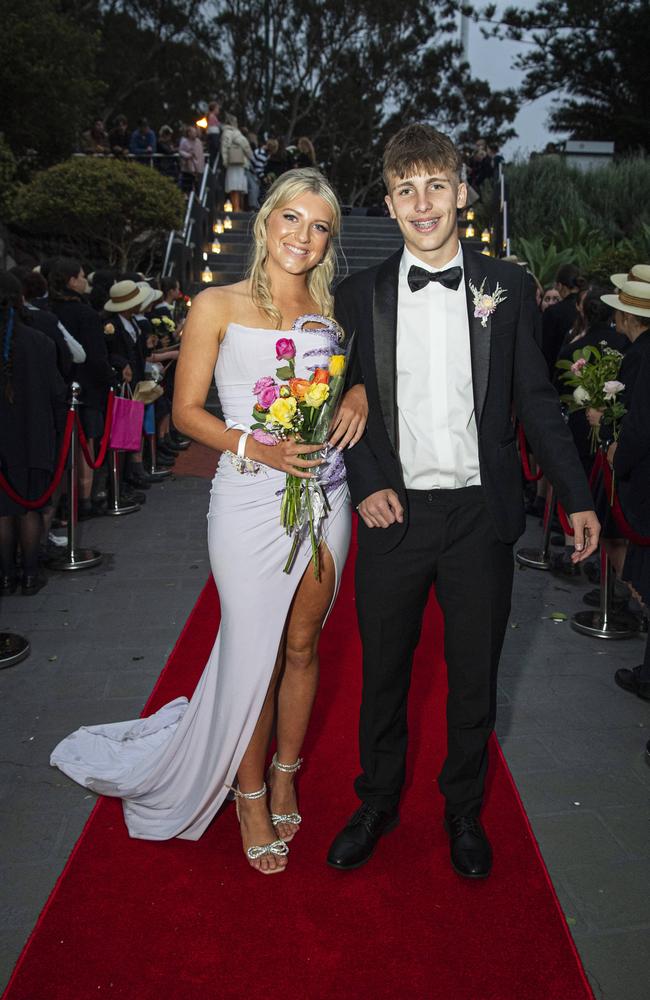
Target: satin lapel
<point x="479" y="335"/>
<point x="384" y="316"/>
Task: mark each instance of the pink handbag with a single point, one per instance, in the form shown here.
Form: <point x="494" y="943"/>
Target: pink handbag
<point x="126" y="427"/>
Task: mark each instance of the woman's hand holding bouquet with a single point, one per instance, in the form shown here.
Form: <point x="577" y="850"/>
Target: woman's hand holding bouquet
<point x="292" y="419"/>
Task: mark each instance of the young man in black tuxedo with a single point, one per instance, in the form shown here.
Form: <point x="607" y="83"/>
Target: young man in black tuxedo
<point x="446" y="345"/>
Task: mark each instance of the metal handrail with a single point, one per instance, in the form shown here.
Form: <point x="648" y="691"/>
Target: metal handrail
<point x="198" y="206"/>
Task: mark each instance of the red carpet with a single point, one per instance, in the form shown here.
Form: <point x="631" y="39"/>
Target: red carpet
<point x="191" y="921"/>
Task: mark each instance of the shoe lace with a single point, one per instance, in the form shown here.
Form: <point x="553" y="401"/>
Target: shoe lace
<point x="465" y="824"/>
<point x="366" y="816"/>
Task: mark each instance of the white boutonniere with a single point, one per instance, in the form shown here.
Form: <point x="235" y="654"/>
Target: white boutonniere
<point x="485" y="305"/>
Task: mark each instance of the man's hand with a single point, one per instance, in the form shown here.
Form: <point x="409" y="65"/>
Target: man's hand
<point x="381" y="509"/>
<point x="127" y="373"/>
<point x="586" y="532"/>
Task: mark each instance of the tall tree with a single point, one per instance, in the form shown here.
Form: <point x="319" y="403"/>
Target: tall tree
<point x="47" y="78"/>
<point x="346" y="71"/>
<point x="594" y="55"/>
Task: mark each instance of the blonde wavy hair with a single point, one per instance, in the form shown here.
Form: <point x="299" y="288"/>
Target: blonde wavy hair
<point x="284" y="190"/>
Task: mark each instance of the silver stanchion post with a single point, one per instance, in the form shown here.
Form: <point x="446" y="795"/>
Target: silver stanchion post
<point x="152" y="469"/>
<point x="13" y="649"/>
<point x="75" y="557"/>
<point x="115" y="508"/>
<point x="603" y="623"/>
<point x="539" y="558"/>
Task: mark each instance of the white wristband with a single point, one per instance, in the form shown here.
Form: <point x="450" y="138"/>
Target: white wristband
<point x="241" y="445"/>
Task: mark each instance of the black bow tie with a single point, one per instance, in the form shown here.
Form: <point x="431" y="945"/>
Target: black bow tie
<point x="418" y="277"/>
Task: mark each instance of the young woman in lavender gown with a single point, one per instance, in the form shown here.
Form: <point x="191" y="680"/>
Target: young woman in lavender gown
<point x="175" y="769"/>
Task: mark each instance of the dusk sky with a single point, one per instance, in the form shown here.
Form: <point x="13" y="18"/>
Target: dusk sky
<point x="492" y="60"/>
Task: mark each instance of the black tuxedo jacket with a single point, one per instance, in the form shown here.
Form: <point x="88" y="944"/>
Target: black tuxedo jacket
<point x="122" y="350"/>
<point x="508" y="371"/>
<point x="632" y="457"/>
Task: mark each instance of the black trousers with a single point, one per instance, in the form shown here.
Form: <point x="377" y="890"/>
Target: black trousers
<point x="450" y="541"/>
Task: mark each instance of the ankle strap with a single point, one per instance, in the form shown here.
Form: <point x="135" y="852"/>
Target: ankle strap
<point x="251" y="795"/>
<point x="286" y="768"/>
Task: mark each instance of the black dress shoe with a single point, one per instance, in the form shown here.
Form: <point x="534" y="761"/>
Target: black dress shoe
<point x="630" y="680"/>
<point x="592" y="598"/>
<point x="129" y="495"/>
<point x="357" y="841"/>
<point x="31" y="584"/>
<point x="471" y="854"/>
<point x="163" y="450"/>
<point x="168" y="445"/>
<point x="140" y="480"/>
<point x="163" y="461"/>
<point x="180" y="441"/>
<point x="8" y="584"/>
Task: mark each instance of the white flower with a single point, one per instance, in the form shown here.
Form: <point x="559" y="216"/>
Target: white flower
<point x="484" y="304"/>
<point x="581" y="395"/>
<point x="611" y="389"/>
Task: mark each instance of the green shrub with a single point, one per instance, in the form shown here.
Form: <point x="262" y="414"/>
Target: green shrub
<point x="124" y="208"/>
<point x="8" y="171"/>
<point x="543" y="260"/>
<point x="540" y="193"/>
<point x="546" y="198"/>
<point x="598" y="220"/>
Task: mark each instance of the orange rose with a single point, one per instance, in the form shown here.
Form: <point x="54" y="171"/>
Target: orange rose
<point x="321" y="375"/>
<point x="299" y="387"/>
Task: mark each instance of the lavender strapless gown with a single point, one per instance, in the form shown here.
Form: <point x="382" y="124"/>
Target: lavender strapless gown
<point x="173" y="769"/>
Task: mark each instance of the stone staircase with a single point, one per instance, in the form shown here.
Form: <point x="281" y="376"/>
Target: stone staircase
<point x="364" y="242"/>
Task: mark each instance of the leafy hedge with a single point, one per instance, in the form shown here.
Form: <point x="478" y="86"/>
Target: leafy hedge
<point x="599" y="220"/>
<point x="125" y="209"/>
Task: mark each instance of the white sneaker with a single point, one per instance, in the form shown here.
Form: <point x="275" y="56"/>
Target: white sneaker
<point x="59" y="540"/>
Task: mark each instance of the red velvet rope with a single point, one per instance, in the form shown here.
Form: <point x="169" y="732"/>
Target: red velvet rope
<point x="564" y="520"/>
<point x="58" y="472"/>
<point x="601" y="467"/>
<point x="95" y="463"/>
<point x="529" y="475"/>
<point x="619" y="517"/>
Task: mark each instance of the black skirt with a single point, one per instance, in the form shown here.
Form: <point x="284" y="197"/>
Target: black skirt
<point x="92" y="421"/>
<point x="28" y="483"/>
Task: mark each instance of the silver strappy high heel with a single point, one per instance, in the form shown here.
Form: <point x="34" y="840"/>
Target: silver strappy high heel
<point x="294" y="818"/>
<point x="277" y="847"/>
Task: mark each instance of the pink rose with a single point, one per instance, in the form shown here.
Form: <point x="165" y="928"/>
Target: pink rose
<point x="285" y="349"/>
<point x="264" y="437"/>
<point x="268" y="395"/>
<point x="266" y="390"/>
<point x="578" y="365"/>
<point x="263" y="383"/>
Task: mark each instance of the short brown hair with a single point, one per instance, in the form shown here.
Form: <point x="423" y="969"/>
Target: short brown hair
<point x="420" y="146"/>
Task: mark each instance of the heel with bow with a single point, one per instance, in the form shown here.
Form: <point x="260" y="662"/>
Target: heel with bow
<point x="277" y="848"/>
<point x="292" y="818"/>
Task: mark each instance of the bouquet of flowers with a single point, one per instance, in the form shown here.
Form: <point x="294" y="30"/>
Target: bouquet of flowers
<point x="288" y="406"/>
<point x="593" y="377"/>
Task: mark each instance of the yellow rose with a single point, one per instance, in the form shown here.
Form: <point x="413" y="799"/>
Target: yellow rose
<point x="283" y="411"/>
<point x="109" y="329"/>
<point x="317" y="394"/>
<point x="337" y="365"/>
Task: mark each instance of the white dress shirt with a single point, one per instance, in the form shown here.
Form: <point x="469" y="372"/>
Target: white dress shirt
<point x="438" y="440"/>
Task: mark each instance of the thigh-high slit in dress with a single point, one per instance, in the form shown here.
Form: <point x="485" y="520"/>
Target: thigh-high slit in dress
<point x="174" y="769"/>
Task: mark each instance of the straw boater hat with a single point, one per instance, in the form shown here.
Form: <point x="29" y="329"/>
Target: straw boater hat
<point x="633" y="291"/>
<point x="125" y="295"/>
<point x="153" y="294"/>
